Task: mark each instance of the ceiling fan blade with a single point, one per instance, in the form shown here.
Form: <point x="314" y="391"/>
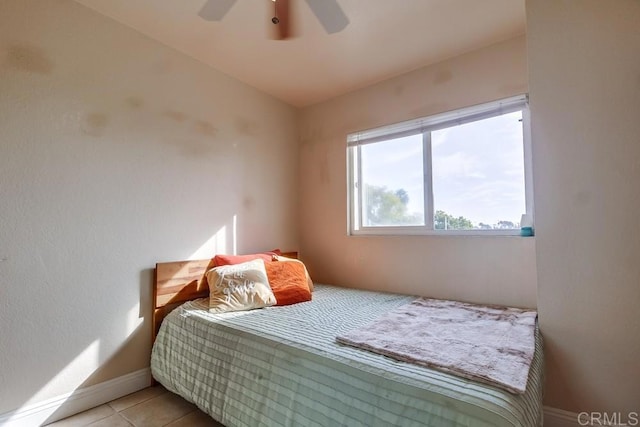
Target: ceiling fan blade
<point x="330" y="15"/>
<point x="215" y="10"/>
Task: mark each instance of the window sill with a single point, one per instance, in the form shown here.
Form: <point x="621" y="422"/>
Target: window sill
<point x="439" y="233"/>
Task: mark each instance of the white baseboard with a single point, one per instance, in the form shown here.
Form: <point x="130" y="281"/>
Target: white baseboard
<point x="559" y="418"/>
<point x="79" y="400"/>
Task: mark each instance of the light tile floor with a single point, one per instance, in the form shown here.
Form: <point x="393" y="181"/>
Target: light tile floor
<point x="150" y="407"/>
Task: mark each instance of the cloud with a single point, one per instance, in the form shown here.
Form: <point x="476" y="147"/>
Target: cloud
<point x="459" y="165"/>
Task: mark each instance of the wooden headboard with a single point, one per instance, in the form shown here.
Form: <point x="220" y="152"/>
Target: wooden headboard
<point x="180" y="281"/>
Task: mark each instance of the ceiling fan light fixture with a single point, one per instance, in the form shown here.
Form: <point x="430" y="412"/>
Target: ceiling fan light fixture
<point x="275" y="20"/>
<point x="281" y="19"/>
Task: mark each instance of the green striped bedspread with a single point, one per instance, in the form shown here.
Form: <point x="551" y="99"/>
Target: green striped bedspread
<point x="281" y="366"/>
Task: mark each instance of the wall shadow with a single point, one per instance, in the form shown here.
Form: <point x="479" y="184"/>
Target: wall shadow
<point x="138" y="340"/>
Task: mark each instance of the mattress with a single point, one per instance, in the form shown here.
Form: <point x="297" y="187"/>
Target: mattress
<point x="281" y="366"/>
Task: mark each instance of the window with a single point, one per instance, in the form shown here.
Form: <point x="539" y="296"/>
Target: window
<point x="461" y="172"/>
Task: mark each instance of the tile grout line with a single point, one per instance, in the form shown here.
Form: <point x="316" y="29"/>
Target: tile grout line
<point x="135" y="404"/>
<point x="132" y="423"/>
<point x="91" y="422"/>
<point x="119" y="412"/>
<point x="114" y="413"/>
<point x="184" y="416"/>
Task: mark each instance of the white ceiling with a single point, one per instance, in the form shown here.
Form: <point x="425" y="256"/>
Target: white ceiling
<point x="384" y="38"/>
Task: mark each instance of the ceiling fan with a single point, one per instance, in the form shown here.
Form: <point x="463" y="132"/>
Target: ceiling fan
<point x="328" y="12"/>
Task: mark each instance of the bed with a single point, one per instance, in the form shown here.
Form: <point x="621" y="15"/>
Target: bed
<point x="282" y="366"/>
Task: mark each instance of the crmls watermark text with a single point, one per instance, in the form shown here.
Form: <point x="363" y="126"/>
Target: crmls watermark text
<point x="617" y="419"/>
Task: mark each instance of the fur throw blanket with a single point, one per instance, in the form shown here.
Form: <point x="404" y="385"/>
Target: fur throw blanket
<point x="491" y="344"/>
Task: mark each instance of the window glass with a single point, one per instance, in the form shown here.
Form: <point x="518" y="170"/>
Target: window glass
<point x="393" y="182"/>
<point x="478" y="174"/>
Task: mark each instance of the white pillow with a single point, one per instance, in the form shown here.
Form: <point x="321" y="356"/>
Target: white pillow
<point x="239" y="287"/>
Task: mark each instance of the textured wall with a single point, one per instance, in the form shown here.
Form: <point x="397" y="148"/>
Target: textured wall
<point x="584" y="79"/>
<point x="117" y="152"/>
<point x="481" y="269"/>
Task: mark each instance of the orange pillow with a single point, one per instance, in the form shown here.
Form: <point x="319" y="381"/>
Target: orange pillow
<point x="219" y="260"/>
<point x="288" y="281"/>
<point x="297" y="261"/>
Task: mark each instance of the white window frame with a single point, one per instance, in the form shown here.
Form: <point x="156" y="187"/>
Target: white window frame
<point x="424" y="126"/>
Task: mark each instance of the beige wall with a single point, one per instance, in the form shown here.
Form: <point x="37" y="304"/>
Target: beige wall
<point x="117" y="152"/>
<point x="481" y="269"/>
<point x="584" y="79"/>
